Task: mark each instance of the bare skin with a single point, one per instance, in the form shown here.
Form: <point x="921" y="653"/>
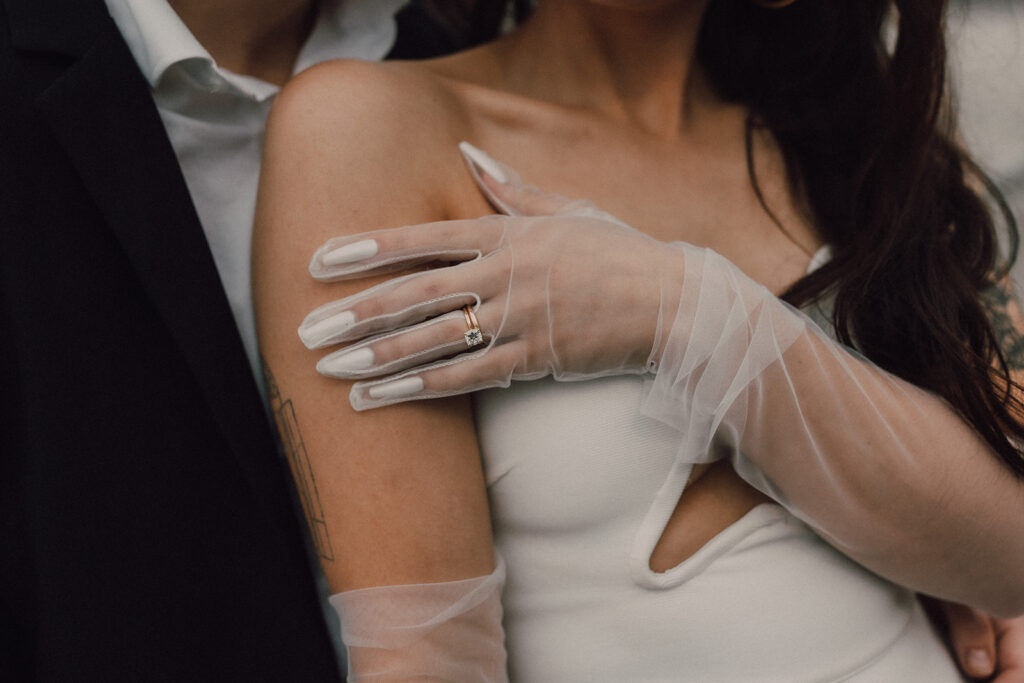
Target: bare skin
<point x="632" y="148"/>
<point x="356" y="147"/>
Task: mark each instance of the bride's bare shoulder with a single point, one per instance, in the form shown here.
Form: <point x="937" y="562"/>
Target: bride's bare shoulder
<point x="384" y="92"/>
<point x="363" y="122"/>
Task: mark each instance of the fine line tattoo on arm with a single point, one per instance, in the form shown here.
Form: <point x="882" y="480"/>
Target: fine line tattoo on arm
<point x="1003" y="312"/>
<point x="298" y="460"/>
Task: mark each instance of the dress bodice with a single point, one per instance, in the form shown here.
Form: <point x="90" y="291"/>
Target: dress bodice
<point x="581" y="486"/>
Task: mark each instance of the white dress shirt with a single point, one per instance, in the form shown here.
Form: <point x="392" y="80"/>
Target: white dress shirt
<point x="215" y="120"/>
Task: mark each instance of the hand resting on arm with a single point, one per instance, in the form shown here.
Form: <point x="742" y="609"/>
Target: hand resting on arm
<point x="888" y="473"/>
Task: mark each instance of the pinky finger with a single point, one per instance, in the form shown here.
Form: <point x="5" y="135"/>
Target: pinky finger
<point x="487" y="369"/>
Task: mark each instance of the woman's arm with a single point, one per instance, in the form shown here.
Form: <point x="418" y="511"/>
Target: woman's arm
<point x="394" y="497"/>
<point x="888" y="473"/>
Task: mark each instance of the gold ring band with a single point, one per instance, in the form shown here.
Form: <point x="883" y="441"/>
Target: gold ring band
<point x="474" y="336"/>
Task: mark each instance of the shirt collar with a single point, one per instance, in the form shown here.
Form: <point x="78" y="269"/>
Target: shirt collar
<point x="159" y="39"/>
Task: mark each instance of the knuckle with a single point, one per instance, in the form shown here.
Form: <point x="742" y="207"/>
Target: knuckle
<point x="430" y="290"/>
<point x="449" y="234"/>
<point x="421" y="288"/>
<point x="370" y="308"/>
<point x="401" y="345"/>
<point x="386" y="350"/>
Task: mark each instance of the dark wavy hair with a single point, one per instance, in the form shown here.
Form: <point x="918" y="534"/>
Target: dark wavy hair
<point x="854" y="92"/>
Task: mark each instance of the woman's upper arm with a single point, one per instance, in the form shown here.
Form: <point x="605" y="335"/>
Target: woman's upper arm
<point x="393" y="496"/>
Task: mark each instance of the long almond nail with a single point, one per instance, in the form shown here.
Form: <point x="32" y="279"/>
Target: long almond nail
<point x="400" y="388"/>
<point x="342" y="364"/>
<point x="320" y="333"/>
<point x="484" y="162"/>
<point x="350" y="253"/>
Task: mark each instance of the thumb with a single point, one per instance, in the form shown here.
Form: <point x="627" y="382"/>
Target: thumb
<point x="505" y="190"/>
<point x="973" y="638"/>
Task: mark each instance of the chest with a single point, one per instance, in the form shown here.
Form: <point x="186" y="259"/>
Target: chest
<point x="674" y="191"/>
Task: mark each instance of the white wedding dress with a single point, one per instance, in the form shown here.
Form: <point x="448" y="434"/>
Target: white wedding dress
<point x="582" y="481"/>
<point x="581" y="486"/>
<point x="583" y="476"/>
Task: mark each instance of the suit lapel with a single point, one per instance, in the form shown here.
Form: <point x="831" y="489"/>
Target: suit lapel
<point x="101" y="113"/>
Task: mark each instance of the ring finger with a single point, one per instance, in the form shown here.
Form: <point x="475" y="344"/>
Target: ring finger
<point x="399" y="303"/>
<point x="440" y="337"/>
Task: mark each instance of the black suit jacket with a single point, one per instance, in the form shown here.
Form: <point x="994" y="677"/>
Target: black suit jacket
<point x="147" y="530"/>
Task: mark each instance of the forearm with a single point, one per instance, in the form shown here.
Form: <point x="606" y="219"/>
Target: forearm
<point x="402" y="532"/>
<point x="886" y="472"/>
<point x="397" y="499"/>
<point x="448" y="630"/>
<point x="889" y="474"/>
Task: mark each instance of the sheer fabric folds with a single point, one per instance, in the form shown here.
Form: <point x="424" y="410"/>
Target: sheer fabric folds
<point x="885" y="471"/>
<point x="888" y="473"/>
<point x="448" y="631"/>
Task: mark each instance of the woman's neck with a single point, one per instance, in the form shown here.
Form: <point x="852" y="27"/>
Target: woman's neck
<point x="634" y="64"/>
<point x="260" y="38"/>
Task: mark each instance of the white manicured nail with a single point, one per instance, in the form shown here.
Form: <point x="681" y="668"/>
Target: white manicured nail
<point x="344" y="363"/>
<point x="483" y="162"/>
<point x="400" y="388"/>
<point x="317" y="333"/>
<point x="350" y="253"/>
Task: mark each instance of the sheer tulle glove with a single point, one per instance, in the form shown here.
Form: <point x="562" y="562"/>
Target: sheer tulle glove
<point x="449" y="631"/>
<point x="412" y="333"/>
<point x="886" y="472"/>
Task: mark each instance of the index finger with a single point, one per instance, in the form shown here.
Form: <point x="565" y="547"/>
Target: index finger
<point x="395" y="249"/>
